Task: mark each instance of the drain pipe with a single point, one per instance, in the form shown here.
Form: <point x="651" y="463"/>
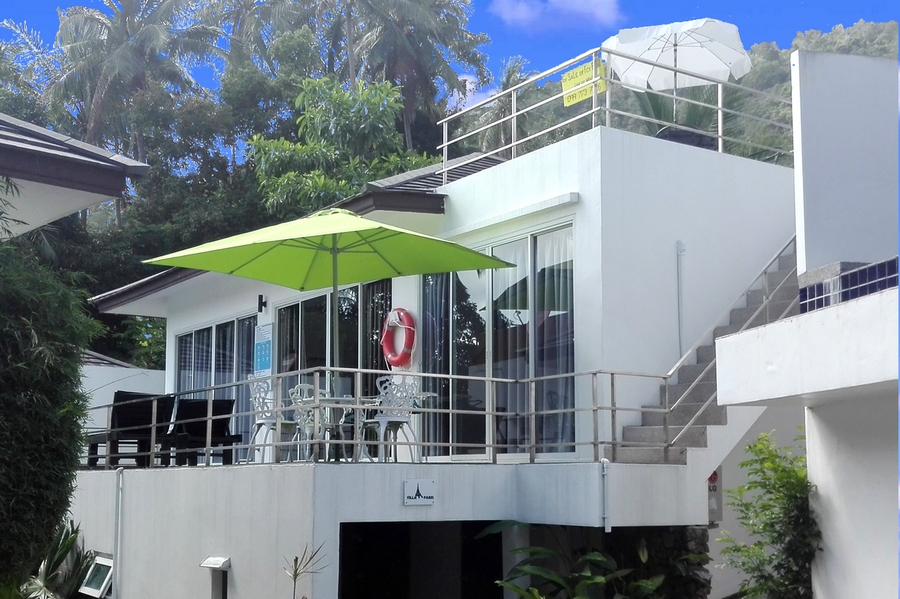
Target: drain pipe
<point x="116" y="558"/>
<point x="680" y="250"/>
<point x="604" y="473"/>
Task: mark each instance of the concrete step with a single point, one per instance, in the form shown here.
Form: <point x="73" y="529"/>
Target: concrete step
<point x="788" y="292"/>
<point x="787" y="262"/>
<point x="681" y="415"/>
<point x="706" y="353"/>
<point x="694" y="437"/>
<point x="699" y="394"/>
<point x="770" y="313"/>
<point x="689" y="373"/>
<point x="650" y="455"/>
<point x="726" y="329"/>
<point x="775" y="277"/>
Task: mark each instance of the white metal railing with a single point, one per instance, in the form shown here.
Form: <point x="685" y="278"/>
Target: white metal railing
<point x="462" y="130"/>
<point x="336" y="430"/>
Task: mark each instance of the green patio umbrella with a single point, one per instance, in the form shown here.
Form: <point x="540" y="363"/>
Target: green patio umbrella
<point x="329" y="248"/>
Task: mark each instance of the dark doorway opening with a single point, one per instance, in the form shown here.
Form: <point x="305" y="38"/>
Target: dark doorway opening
<point x="419" y="560"/>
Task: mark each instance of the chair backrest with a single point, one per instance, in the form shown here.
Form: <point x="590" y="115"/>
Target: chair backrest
<point x="191" y="409"/>
<point x="398" y="392"/>
<point x="136" y="415"/>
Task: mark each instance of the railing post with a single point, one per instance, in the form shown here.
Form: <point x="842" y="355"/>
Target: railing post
<point x="316" y="418"/>
<point x="490" y="423"/>
<point x="152" y="457"/>
<point x="595" y="415"/>
<point x="609" y="78"/>
<point x="612" y="414"/>
<point x="721" y="118"/>
<point x="276" y="408"/>
<point x="513" y="121"/>
<point x="209" y="415"/>
<point x="357" y="415"/>
<point x="666" y="421"/>
<point x="595" y="85"/>
<point x="532" y="420"/>
<point x="446" y="151"/>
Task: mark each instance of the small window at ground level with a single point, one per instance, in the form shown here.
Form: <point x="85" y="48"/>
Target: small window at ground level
<point x="98" y="578"/>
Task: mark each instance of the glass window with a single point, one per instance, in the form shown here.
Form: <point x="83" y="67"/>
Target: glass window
<point x="224" y="359"/>
<point x="530" y="335"/>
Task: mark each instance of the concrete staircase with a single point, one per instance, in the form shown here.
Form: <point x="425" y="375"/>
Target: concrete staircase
<point x="776" y="301"/>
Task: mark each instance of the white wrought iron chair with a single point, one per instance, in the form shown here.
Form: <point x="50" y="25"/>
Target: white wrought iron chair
<point x="398" y="397"/>
<point x="266" y="421"/>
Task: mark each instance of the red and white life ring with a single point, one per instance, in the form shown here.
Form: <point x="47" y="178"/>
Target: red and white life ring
<point x="398" y="318"/>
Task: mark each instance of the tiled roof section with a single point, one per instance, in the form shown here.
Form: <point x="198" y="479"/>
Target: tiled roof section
<point x="32" y="138"/>
<point x="428" y="179"/>
<point x="32" y="153"/>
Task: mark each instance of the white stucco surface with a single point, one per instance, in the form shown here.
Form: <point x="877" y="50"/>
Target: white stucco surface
<point x="852" y="449"/>
<point x="845" y="164"/>
<point x="101" y="383"/>
<point x="816" y="357"/>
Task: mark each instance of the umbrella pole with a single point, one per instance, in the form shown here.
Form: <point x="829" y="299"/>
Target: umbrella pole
<point x="334" y="305"/>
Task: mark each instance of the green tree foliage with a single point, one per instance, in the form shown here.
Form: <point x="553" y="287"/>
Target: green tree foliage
<point x="43" y="328"/>
<point x="774" y="508"/>
<point x="419" y="45"/>
<point x="345" y="139"/>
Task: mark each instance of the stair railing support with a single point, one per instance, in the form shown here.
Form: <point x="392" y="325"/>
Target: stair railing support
<point x="666" y="421"/>
<point x="612" y="414"/>
<point x="596" y="415"/>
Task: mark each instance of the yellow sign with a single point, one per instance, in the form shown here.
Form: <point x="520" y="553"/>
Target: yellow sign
<point x="578" y="77"/>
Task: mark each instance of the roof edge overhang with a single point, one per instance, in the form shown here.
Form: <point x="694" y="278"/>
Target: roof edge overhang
<point x="33" y="153"/>
<point x="374" y="198"/>
<point x="106" y="302"/>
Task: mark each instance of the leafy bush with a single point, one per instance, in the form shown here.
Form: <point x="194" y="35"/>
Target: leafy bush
<point x="774" y="507"/>
<point x="43" y="328"/>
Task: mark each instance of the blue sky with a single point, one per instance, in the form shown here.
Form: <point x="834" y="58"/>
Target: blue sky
<point x="548" y="32"/>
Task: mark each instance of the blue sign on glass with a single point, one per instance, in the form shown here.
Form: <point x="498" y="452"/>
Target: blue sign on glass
<point x="263" y="355"/>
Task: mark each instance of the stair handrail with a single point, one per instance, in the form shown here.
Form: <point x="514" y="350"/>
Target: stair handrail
<point x="763" y="305"/>
<point x="727" y="312"/>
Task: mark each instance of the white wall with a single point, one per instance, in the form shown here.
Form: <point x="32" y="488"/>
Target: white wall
<point x="812" y="356"/>
<point x="636" y="197"/>
<point x="845" y="166"/>
<point x="852" y="446"/>
<point x="101" y="383"/>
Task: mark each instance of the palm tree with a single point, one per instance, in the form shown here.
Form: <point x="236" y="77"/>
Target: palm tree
<point x="109" y="57"/>
<point x="417" y="44"/>
<point x="251" y="25"/>
<point x="512" y="73"/>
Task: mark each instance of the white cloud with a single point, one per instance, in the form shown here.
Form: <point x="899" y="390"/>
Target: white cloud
<point x="544" y="14"/>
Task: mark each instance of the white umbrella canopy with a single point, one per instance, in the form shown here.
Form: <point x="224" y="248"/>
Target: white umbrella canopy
<point x="704" y="46"/>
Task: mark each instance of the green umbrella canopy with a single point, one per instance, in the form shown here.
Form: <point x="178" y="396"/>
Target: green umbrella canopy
<point x="327" y="249"/>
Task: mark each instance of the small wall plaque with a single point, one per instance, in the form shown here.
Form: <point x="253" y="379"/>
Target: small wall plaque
<point x="418" y="491"/>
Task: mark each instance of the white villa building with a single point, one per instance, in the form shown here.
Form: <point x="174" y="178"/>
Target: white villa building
<point x="632" y="255"/>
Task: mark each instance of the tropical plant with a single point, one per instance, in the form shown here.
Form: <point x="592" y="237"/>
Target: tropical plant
<point x="774" y="508"/>
<point x="571" y="573"/>
<point x="62" y="572"/>
<point x="346" y="139"/>
<point x="252" y="25"/>
<point x="110" y="56"/>
<point x="512" y="73"/>
<point x="419" y="45"/>
<point x="303" y="565"/>
<point x="43" y="329"/>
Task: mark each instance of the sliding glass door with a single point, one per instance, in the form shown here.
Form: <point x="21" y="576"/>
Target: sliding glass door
<point x="528" y="329"/>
